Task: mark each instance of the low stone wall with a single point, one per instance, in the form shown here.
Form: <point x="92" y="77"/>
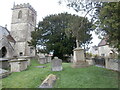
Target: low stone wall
<point x="91" y="62"/>
<point x="113" y="64"/>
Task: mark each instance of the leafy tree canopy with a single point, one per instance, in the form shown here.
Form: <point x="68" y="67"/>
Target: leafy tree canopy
<point x="57" y="33"/>
<point x="109" y="23"/>
<point x="105" y="16"/>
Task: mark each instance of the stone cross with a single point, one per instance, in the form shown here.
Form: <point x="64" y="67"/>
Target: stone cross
<point x="56" y="64"/>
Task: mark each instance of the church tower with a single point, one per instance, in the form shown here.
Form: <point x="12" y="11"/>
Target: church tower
<point x="23" y="22"/>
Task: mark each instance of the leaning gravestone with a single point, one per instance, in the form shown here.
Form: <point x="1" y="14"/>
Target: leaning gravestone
<point x="48" y="82"/>
<point x="56" y="64"/>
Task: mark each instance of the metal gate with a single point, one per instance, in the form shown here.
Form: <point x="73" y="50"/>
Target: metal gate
<point x="99" y="61"/>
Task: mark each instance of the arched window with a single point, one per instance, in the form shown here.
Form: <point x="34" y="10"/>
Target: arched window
<point x="3" y="52"/>
<point x="20" y="14"/>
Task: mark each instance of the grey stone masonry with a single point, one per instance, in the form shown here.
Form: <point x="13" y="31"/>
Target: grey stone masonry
<point x="28" y="59"/>
<point x="42" y="60"/>
<point x="113" y="64"/>
<point x="22" y="24"/>
<point x="56" y="64"/>
<point x="18" y="65"/>
<point x="48" y="58"/>
<point x="4" y="64"/>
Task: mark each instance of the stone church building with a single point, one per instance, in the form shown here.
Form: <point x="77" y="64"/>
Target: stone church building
<point x="23" y="22"/>
<point x="7" y="43"/>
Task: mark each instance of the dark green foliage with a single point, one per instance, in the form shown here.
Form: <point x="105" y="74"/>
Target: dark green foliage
<point x="57" y="33"/>
<point x="55" y="39"/>
<point x="109" y="21"/>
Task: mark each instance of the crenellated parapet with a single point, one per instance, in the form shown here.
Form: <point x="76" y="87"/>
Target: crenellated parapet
<point x="19" y="6"/>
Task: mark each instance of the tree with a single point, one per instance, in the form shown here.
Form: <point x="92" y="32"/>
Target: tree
<point x="52" y="33"/>
<point x="105" y="17"/>
<point x="109" y="23"/>
<point x="35" y="39"/>
<point x="80" y="27"/>
<point x="88" y="8"/>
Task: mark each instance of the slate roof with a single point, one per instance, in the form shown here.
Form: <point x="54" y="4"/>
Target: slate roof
<point x="103" y="42"/>
<point x="4" y="32"/>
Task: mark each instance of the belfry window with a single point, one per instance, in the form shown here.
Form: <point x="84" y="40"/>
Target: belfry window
<point x="20" y="14"/>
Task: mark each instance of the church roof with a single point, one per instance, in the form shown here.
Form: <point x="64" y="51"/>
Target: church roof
<point x="4" y="32"/>
<point x="103" y="42"/>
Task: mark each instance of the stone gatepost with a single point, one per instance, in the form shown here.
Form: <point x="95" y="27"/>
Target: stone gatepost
<point x="18" y="65"/>
<point x="79" y="58"/>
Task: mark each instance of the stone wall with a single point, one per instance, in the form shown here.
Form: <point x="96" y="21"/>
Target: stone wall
<point x="113" y="64"/>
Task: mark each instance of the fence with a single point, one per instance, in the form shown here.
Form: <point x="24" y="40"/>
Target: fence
<point x="99" y="61"/>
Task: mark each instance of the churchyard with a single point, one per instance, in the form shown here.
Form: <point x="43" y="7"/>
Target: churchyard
<point x="53" y="54"/>
<point x="68" y="77"/>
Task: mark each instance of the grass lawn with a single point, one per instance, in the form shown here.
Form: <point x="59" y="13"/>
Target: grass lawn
<point x="90" y="77"/>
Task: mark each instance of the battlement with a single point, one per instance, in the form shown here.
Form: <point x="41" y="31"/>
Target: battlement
<point x="18" y="6"/>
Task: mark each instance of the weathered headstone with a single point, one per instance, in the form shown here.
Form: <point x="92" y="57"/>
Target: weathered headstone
<point x="56" y="64"/>
<point x="18" y="65"/>
<point x="42" y="60"/>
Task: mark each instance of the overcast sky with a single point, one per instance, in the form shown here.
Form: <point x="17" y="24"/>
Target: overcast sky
<point x="43" y="8"/>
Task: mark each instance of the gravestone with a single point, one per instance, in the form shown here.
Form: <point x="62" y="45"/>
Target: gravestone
<point x="56" y="64"/>
<point x="42" y="60"/>
<point x="18" y="65"/>
<point x="48" y="82"/>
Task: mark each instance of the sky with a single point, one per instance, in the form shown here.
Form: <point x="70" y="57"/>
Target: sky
<point x="43" y="8"/>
